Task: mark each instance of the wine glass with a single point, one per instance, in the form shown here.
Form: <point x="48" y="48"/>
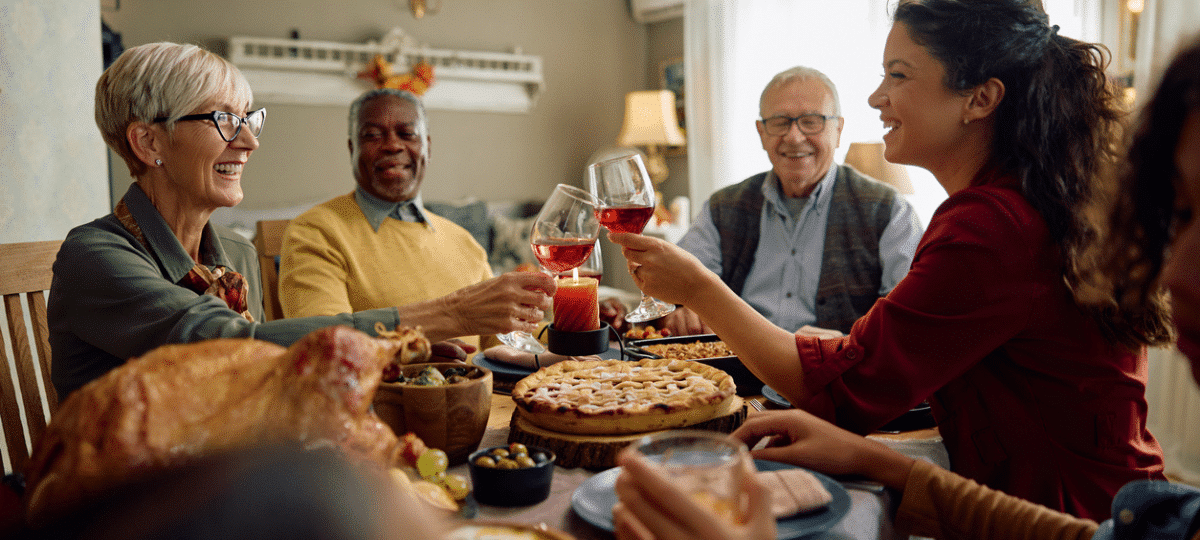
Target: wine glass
<point x="626" y="197"/>
<point x="593" y="267"/>
<point x="564" y="234"/>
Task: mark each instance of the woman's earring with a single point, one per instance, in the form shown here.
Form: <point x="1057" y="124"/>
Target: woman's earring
<point x="158" y="162"/>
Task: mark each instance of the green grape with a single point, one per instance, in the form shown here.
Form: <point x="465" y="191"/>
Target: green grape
<point x="456" y="486"/>
<point x="431" y="462"/>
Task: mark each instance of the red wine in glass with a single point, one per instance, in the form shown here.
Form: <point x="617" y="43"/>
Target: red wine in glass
<point x="562" y="255"/>
<point x="626" y="219"/>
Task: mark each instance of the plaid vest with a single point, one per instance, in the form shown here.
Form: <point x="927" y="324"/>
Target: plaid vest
<point x="851" y="271"/>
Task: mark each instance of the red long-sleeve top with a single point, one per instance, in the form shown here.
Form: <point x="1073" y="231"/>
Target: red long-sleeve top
<point x="1029" y="397"/>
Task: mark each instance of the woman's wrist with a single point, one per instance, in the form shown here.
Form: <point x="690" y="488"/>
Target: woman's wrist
<point x="885" y="465"/>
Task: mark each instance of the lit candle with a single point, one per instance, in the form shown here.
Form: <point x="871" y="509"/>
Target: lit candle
<point x="576" y="308"/>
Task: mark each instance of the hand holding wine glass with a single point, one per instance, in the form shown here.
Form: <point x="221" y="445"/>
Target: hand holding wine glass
<point x="626" y="204"/>
<point x="563" y="237"/>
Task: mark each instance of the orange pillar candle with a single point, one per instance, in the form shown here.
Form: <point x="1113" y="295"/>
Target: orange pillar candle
<point x="576" y="308"/>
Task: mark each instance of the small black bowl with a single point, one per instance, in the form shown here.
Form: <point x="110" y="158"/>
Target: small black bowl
<point x="511" y="487"/>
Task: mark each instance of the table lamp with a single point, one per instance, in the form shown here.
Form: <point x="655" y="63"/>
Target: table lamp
<point x="867" y="157"/>
<point x="650" y="121"/>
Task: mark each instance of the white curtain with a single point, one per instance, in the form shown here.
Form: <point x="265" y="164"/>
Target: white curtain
<point x="734" y="47"/>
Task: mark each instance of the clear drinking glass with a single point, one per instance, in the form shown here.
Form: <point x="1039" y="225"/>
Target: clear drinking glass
<point x="626" y="197"/>
<point x="564" y="235"/>
<point x="709" y="466"/>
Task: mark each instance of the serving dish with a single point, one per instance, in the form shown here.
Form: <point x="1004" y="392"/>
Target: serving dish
<point x="747" y="383"/>
<point x="594" y="498"/>
<point x="522" y="486"/>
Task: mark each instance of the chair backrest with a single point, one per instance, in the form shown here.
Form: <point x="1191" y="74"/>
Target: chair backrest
<point x="268" y="240"/>
<point x="25" y="268"/>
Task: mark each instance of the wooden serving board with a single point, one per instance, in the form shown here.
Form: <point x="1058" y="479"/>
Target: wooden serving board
<point x="599" y="452"/>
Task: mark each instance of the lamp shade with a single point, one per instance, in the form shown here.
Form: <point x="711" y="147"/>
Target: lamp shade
<point x="650" y="120"/>
<point x="867" y="157"/>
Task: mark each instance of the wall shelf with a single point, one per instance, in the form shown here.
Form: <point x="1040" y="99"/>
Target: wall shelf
<point x="292" y="71"/>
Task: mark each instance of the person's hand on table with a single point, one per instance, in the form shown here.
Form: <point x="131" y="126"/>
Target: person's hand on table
<point x="451" y="350"/>
<point x="662" y="269"/>
<point x="612" y="311"/>
<point x="650" y="507"/>
<point x="799" y="438"/>
<point x="682" y="322"/>
<point x="510" y="301"/>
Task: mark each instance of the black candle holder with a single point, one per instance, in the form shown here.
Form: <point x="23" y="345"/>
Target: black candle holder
<point x="580" y="343"/>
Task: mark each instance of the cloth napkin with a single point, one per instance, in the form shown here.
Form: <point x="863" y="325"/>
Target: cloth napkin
<point x="514" y="357"/>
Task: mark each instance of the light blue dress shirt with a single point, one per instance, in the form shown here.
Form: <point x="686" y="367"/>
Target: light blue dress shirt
<point x="376" y="209"/>
<point x="782" y="284"/>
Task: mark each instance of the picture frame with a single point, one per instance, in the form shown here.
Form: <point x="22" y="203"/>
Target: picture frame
<point x="671" y="75"/>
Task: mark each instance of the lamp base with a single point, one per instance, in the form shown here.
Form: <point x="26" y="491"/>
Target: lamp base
<point x="578" y="343"/>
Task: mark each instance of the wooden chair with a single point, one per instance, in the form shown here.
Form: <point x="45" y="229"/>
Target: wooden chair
<point x="25" y="268"/>
<point x="269" y="242"/>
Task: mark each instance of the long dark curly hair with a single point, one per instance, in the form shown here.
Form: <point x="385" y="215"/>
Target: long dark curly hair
<point x="1142" y="214"/>
<point x="1056" y="128"/>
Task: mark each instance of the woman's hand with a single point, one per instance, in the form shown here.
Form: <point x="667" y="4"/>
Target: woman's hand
<point x="800" y="438"/>
<point x="662" y="269"/>
<point x="652" y="507"/>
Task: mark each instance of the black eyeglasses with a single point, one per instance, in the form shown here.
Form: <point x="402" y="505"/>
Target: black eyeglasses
<point x="229" y="125"/>
<point x="809" y="124"/>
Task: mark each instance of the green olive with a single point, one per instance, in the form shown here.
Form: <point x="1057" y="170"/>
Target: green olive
<point x="525" y="461"/>
<point x="518" y="448"/>
<point x="499" y="453"/>
<point x="505" y="463"/>
<point x="486" y="462"/>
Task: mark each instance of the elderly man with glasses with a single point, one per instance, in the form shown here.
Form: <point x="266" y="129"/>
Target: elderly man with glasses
<point x="809" y="244"/>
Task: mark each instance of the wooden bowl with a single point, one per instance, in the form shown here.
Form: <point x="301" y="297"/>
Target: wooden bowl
<point x="451" y="417"/>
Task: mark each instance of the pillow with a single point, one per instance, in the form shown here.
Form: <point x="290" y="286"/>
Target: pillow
<point x="471" y="216"/>
<point x="510" y="244"/>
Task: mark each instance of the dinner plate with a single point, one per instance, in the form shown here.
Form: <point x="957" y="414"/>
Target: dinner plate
<point x="594" y="498"/>
<point x="775" y="398"/>
<point x="509" y="370"/>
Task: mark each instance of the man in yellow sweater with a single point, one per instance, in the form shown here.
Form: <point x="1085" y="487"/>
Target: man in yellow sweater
<point x="377" y="246"/>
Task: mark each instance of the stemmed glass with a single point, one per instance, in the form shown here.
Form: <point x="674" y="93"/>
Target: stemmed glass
<point x="564" y="235"/>
<point x="626" y="197"/>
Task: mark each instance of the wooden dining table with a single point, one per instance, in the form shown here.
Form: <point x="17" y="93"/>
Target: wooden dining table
<point x="869" y="517"/>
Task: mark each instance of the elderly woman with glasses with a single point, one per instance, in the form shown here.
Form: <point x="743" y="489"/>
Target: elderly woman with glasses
<point x="155" y="271"/>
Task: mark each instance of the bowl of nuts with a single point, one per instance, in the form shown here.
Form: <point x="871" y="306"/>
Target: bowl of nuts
<point x="445" y="404"/>
<point x="513" y="475"/>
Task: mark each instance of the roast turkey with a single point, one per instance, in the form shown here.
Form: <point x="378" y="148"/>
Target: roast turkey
<point x="179" y="402"/>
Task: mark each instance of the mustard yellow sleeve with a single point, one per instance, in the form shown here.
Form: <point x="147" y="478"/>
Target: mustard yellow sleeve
<point x="313" y="271"/>
<point x="940" y="504"/>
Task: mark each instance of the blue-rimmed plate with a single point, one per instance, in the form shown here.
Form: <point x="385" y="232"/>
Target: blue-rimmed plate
<point x="775" y="398"/>
<point x="594" y="498"/>
<point x="516" y="372"/>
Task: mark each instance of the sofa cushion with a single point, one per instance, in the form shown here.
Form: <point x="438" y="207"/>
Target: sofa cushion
<point x="471" y="215"/>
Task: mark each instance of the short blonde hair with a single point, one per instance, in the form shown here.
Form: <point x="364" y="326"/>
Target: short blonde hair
<point x="161" y="80"/>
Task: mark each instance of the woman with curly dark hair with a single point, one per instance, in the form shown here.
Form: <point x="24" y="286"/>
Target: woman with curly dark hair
<point x="1154" y="244"/>
<point x="1038" y="388"/>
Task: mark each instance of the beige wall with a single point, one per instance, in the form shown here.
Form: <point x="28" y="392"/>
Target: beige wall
<point x="593" y="52"/>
